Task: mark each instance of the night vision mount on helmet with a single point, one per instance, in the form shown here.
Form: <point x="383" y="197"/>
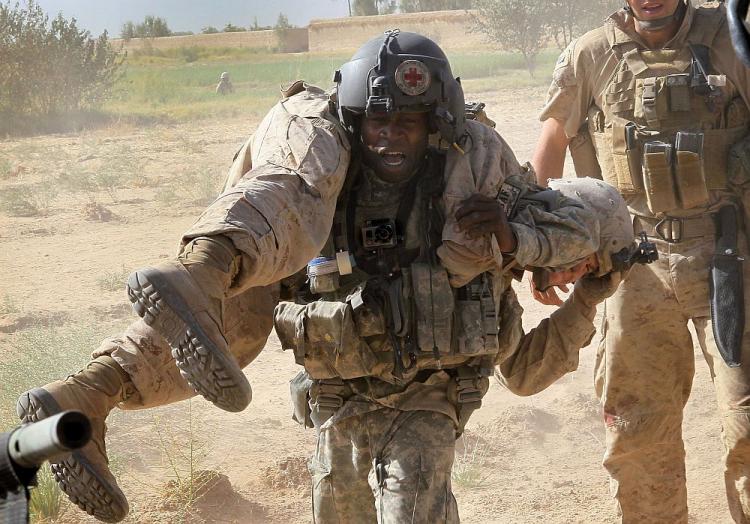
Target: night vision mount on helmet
<point x="401" y="72"/>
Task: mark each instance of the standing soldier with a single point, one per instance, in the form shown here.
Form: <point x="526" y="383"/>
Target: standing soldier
<point x="663" y="98"/>
<point x="394" y="257"/>
<point x="225" y="85"/>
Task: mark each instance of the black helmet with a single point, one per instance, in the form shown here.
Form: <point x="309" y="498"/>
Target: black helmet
<point x="397" y="72"/>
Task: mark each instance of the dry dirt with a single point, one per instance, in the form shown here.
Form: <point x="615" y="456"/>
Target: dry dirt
<point x="523" y="460"/>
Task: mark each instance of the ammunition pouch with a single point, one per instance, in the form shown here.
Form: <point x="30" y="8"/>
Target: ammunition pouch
<point x="658" y="180"/>
<point x="477" y="318"/>
<point x="299" y="390"/>
<point x="324" y="338"/>
<point x="433" y="307"/>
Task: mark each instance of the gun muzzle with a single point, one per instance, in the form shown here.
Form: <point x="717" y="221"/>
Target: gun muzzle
<point x="32" y="444"/>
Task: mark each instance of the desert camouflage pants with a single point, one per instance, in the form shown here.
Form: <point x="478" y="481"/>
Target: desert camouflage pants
<point x="644" y="376"/>
<point x="147" y="357"/>
<point x="385" y="466"/>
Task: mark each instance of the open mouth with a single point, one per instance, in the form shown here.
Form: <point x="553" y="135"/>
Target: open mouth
<point x="390" y="158"/>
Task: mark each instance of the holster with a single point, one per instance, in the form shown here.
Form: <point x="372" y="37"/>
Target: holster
<point x="469" y="385"/>
<point x="726" y="285"/>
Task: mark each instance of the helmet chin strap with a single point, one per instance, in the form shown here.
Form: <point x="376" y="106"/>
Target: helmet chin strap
<point x="660" y="23"/>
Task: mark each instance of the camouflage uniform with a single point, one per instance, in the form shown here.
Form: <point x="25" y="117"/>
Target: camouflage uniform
<point x="645" y="365"/>
<point x="225" y="85"/>
<point x="386" y="429"/>
<point x="268" y="227"/>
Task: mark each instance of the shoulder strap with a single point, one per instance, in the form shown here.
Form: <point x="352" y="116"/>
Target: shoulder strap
<point x="706" y="24"/>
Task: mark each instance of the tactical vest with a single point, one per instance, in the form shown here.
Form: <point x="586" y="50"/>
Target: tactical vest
<point x="668" y="120"/>
<point x="369" y="306"/>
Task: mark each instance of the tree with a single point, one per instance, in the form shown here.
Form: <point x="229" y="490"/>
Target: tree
<point x="209" y="30"/>
<point x="51" y="67"/>
<point x="417" y="6"/>
<point x="373" y="7"/>
<point x="571" y="18"/>
<point x="281" y="29"/>
<point x="128" y="31"/>
<point x="516" y="25"/>
<point x="151" y="27"/>
<point x="231" y="28"/>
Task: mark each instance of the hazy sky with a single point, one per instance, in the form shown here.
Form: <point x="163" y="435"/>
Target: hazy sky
<point x="191" y="15"/>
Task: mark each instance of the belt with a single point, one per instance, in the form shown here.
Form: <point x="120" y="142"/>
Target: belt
<point x="678" y="229"/>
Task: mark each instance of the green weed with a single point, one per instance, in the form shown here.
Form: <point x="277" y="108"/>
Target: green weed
<point x="9" y="305"/>
<point x="201" y="186"/>
<point x="471" y="456"/>
<point x="39" y="355"/>
<point x="184" y="455"/>
<point x="6" y="168"/>
<point x="47" y="503"/>
<point x="114" y="280"/>
<point x="27" y="201"/>
<point x="75" y="179"/>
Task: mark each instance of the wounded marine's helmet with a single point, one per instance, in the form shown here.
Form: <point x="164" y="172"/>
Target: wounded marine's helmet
<point x="401" y="71"/>
<point x="615" y="225"/>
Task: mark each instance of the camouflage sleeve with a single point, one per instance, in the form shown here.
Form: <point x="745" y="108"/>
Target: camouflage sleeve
<point x="554" y="238"/>
<point x="279" y="214"/>
<point x="545" y="238"/>
<point x="481" y="167"/>
<point x="726" y="62"/>
<point x="548" y="351"/>
<point x="569" y="97"/>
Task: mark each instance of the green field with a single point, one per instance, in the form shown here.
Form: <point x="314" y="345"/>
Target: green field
<point x="179" y="85"/>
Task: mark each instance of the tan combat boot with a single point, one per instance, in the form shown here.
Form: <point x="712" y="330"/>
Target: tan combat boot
<point x="182" y="301"/>
<point x="84" y="475"/>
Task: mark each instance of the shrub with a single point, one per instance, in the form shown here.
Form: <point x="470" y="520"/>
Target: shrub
<point x="50" y="67"/>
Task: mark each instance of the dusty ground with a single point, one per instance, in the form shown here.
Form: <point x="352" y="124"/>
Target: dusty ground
<point x="523" y="460"/>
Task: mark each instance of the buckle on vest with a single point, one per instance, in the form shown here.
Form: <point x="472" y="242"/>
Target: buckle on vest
<point x="649" y="92"/>
<point x="669" y="230"/>
<point x="467" y="391"/>
<point x="329" y="401"/>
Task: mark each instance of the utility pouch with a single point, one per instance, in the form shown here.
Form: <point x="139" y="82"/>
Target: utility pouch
<point x="689" y="174"/>
<point x="726" y="288"/>
<point x="651" y="102"/>
<point x="325" y="339"/>
<point x="679" y="92"/>
<point x="368" y="306"/>
<point x="626" y="155"/>
<point x="657" y="176"/>
<point x="434" y="306"/>
<point x="476" y="312"/>
<point x="299" y="389"/>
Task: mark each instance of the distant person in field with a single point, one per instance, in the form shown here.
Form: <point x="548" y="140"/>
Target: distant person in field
<point x="225" y="85"/>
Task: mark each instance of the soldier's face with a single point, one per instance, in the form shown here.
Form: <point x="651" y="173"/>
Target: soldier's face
<point x="590" y="264"/>
<point x="394" y="144"/>
<point x="653" y="9"/>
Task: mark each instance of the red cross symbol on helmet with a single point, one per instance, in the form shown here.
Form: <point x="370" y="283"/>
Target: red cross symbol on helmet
<point x="412" y="77"/>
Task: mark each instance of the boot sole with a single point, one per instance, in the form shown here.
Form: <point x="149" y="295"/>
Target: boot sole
<point x="75" y="475"/>
<point x="207" y="369"/>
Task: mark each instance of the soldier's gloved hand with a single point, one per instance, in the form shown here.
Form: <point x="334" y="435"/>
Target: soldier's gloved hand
<point x="591" y="290"/>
